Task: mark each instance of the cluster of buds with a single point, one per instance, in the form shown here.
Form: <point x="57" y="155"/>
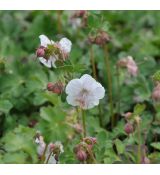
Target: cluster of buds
<point x="49" y="154"/>
<point x="56" y="88"/>
<point x="101" y="38"/>
<point x="79" y="18"/>
<point x="49" y="51"/>
<point x="129" y="126"/>
<point x="130" y="64"/>
<point x="84" y="150"/>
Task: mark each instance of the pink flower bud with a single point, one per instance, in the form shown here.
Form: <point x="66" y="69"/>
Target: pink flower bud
<point x="129" y="128"/>
<point x="145" y="160"/>
<point x="128" y="115"/>
<point x="40" y="52"/>
<point x="130" y="64"/>
<point x="51" y="146"/>
<point x="90" y="141"/>
<point x="78" y="128"/>
<point x="81" y="155"/>
<point x="100" y="39"/>
<point x="156" y="93"/>
<point x="50" y="86"/>
<point x="56" y="88"/>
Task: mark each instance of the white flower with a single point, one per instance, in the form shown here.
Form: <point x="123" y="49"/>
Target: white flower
<point x="84" y="92"/>
<point x="64" y="45"/>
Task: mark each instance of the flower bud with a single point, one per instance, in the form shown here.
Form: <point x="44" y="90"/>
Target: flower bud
<point x="90" y="141"/>
<point x="130" y="64"/>
<point x="56" y="88"/>
<point x="100" y="39"/>
<point x="51" y="147"/>
<point x="145" y="160"/>
<point x="156" y="93"/>
<point x="128" y="115"/>
<point x="81" y="155"/>
<point x="78" y="128"/>
<point x="128" y="128"/>
<point x="40" y="52"/>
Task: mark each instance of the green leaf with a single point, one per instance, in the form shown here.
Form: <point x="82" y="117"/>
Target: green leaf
<point x="156" y="145"/>
<point x="119" y="146"/>
<point x="139" y="108"/>
<point x="5" y="106"/>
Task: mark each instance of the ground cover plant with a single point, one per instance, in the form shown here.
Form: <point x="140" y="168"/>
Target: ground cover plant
<point x="80" y="87"/>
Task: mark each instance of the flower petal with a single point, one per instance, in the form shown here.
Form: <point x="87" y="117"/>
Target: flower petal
<point x="65" y="44"/>
<point x="72" y="100"/>
<point x="99" y="92"/>
<point x="44" y="40"/>
<point x="47" y="63"/>
<point x="88" y="82"/>
<point x="74" y="87"/>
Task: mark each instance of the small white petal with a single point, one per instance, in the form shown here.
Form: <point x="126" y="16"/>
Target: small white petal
<point x="99" y="92"/>
<point x="88" y="82"/>
<point x="74" y="87"/>
<point x="65" y="44"/>
<point x="44" y="40"/>
<point x="72" y="100"/>
<point x="47" y="63"/>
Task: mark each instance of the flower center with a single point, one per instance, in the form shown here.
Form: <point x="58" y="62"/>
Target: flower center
<point x="82" y="97"/>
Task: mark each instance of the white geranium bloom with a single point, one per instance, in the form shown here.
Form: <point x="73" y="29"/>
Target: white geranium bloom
<point x="84" y="92"/>
<point x="64" y="45"/>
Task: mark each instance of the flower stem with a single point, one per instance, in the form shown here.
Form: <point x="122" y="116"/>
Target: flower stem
<point x="109" y="78"/>
<point x="84" y="122"/>
<point x="59" y="14"/>
<point x="139" y="156"/>
<point x="95" y="77"/>
<point x="48" y="157"/>
<point x="93" y="63"/>
<point x="119" y="91"/>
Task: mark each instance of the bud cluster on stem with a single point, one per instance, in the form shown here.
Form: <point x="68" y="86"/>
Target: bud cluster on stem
<point x="84" y="150"/>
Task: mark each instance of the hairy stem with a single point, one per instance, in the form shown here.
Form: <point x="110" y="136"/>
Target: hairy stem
<point x="139" y="156"/>
<point x="109" y="79"/>
<point x="93" y="63"/>
<point x="95" y="77"/>
<point x="84" y="122"/>
<point x="119" y="91"/>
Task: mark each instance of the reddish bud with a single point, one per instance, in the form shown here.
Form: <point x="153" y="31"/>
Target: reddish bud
<point x="40" y="52"/>
<point x="100" y="39"/>
<point x="51" y="146"/>
<point x="50" y="86"/>
<point x="56" y="88"/>
<point x="156" y="93"/>
<point x="78" y="128"/>
<point x="81" y="155"/>
<point x="129" y="128"/>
